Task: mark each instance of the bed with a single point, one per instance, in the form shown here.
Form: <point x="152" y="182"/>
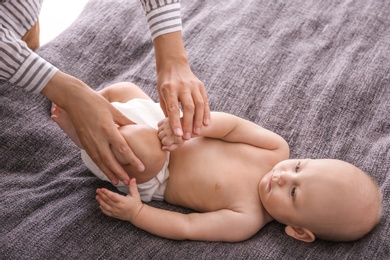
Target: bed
<point x="315" y="72"/>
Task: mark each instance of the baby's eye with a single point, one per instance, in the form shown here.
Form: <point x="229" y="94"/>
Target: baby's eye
<point x="297" y="167"/>
<point x="293" y="190"/>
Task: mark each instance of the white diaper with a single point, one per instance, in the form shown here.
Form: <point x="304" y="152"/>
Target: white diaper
<point x="142" y="112"/>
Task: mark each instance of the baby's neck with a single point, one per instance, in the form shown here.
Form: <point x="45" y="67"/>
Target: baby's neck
<point x="267" y="217"/>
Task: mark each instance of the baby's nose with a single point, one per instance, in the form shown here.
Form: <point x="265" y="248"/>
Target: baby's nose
<point x="276" y="176"/>
<point x="280" y="178"/>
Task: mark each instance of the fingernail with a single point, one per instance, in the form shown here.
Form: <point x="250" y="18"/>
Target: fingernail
<point x="197" y="130"/>
<point x="207" y="121"/>
<point x="141" y="168"/>
<point x="178" y="132"/>
<point x="187" y="135"/>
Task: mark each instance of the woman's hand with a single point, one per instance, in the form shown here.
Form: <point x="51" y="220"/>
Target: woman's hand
<point x="177" y="84"/>
<point x="95" y="121"/>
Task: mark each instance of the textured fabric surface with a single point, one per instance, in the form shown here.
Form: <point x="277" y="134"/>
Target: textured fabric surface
<point x="315" y="72"/>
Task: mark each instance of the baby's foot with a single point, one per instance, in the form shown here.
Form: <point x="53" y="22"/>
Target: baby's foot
<point x="61" y="118"/>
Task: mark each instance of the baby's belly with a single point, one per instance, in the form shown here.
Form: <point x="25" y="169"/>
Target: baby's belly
<point x="205" y="174"/>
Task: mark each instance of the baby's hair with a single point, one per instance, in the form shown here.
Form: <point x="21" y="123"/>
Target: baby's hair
<point x="373" y="203"/>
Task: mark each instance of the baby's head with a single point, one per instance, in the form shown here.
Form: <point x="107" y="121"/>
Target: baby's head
<point x="327" y="199"/>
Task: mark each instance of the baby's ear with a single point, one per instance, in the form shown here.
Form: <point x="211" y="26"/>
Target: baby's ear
<point x="302" y="234"/>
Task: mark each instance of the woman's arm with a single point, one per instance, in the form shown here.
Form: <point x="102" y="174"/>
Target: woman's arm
<point x="95" y="121"/>
<point x="93" y="117"/>
<point x="175" y="81"/>
<point x="21" y="66"/>
<point x="163" y="16"/>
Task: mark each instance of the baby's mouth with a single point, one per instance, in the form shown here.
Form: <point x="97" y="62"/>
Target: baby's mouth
<point x="270" y="181"/>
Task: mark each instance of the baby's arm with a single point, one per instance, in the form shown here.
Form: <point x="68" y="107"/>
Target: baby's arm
<point x="232" y="129"/>
<point x="223" y="225"/>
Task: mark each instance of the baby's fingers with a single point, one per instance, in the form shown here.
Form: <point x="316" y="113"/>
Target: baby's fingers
<point x="104" y="206"/>
<point x="162" y="122"/>
<point x="170" y="148"/>
<point x="106" y="210"/>
<point x="108" y="196"/>
<point x="167" y="141"/>
<point x="133" y="189"/>
<point x="108" y="200"/>
<point x="161" y="134"/>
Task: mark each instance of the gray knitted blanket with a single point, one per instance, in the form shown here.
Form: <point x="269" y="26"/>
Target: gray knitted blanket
<point x="315" y="72"/>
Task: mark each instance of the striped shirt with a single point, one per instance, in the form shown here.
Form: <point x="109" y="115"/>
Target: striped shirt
<point x="163" y="16"/>
<point x="22" y="67"/>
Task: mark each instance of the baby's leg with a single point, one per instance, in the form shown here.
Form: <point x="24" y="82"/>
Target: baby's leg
<point x="123" y="92"/>
<point x="31" y="38"/>
<point x="118" y="92"/>
<point x="62" y="119"/>
<point x="144" y="142"/>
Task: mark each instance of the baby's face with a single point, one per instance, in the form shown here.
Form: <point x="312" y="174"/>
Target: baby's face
<point x="296" y="192"/>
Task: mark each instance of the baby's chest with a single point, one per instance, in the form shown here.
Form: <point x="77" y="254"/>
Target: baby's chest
<point x="214" y="186"/>
<point x="213" y="169"/>
<point x="214" y="156"/>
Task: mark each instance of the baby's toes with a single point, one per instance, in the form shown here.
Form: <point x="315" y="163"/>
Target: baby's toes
<point x="55" y="110"/>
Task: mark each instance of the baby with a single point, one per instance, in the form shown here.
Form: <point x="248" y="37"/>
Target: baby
<point x="236" y="175"/>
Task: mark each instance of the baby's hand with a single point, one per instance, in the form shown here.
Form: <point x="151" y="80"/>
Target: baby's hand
<point x="168" y="139"/>
<point x="118" y="206"/>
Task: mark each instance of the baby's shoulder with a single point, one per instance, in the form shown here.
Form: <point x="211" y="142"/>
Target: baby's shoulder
<point x="252" y="217"/>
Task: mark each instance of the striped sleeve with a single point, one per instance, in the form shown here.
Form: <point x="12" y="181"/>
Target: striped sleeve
<point x="18" y="64"/>
<point x="163" y="16"/>
<point x="21" y="66"/>
<point x="19" y="16"/>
